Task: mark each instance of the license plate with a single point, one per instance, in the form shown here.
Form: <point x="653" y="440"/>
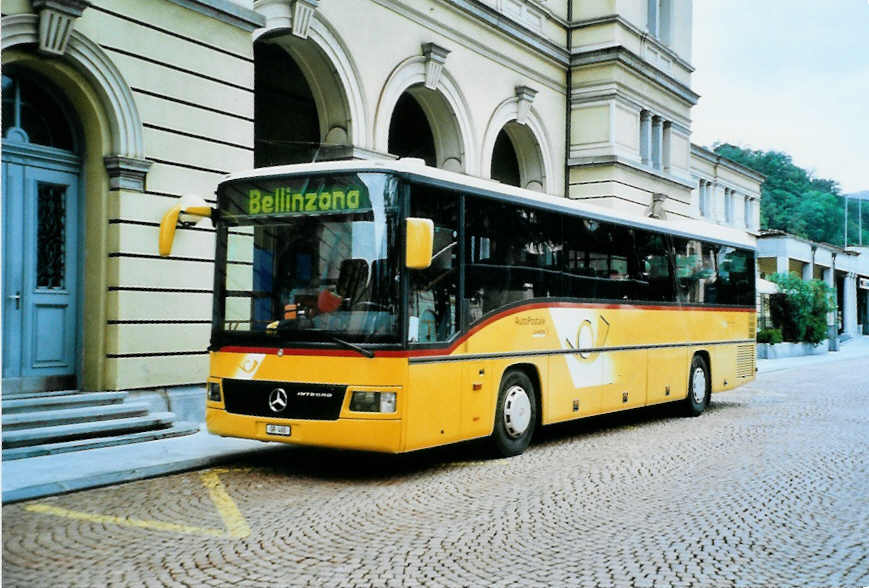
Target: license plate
<point x="278" y="430"/>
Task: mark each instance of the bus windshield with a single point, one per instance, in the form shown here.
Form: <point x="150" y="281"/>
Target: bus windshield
<point x="308" y="259"/>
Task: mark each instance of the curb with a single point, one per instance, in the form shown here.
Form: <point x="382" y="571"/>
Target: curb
<point x="120" y="476"/>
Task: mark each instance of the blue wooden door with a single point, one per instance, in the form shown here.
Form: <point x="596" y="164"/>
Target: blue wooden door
<point x="40" y="267"/>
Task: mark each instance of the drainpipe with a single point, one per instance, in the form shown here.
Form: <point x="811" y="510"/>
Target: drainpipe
<point x="567" y="116"/>
<point x="833" y="329"/>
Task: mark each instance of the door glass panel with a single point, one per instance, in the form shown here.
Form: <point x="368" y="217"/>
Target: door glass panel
<point x="433" y="291"/>
<point x="51" y="236"/>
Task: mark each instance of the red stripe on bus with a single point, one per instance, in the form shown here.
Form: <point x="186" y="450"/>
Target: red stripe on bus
<point x="477" y="328"/>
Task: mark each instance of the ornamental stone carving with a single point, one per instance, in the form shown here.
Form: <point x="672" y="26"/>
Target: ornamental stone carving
<point x="292" y="15"/>
<point x="56" y="23"/>
<point x="126" y="173"/>
<point x="524" y="97"/>
<point x="435" y="58"/>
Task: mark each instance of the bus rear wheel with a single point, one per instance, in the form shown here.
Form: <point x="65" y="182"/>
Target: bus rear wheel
<point x="515" y="414"/>
<point x="698" y="387"/>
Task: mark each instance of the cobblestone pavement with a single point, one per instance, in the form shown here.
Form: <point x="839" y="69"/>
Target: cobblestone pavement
<point x="769" y="487"/>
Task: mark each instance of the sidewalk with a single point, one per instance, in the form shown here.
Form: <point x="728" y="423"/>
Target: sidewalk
<point x="35" y="477"/>
<point x="851" y="349"/>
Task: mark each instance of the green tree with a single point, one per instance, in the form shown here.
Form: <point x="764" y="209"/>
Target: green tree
<point x="792" y="199"/>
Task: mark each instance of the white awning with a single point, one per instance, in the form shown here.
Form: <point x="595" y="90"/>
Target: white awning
<point x="766" y="287"/>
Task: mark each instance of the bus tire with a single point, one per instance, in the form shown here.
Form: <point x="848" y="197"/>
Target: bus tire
<point x="699" y="387"/>
<point x="515" y="414"/>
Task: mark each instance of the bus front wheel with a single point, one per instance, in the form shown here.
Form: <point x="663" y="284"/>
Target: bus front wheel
<point x="515" y="414"/>
<point x="698" y="387"/>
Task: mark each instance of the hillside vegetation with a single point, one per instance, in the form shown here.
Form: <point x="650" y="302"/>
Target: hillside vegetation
<point x="793" y="200"/>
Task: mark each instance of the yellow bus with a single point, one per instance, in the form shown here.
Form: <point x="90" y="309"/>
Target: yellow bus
<point x="390" y="306"/>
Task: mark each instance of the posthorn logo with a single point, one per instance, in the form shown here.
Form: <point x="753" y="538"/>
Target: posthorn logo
<point x="278" y="400"/>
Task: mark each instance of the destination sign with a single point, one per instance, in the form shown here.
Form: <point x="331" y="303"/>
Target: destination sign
<point x="285" y="200"/>
<point x="294" y="195"/>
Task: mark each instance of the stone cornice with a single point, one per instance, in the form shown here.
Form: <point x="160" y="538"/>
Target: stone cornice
<point x="779" y="234"/>
<point x="638" y="65"/>
<point x="716" y="159"/>
<point x="644" y="35"/>
<point x="601" y="160"/>
<point x="629" y="97"/>
<point x="225" y="11"/>
<point x="512" y="28"/>
<point x="522" y="67"/>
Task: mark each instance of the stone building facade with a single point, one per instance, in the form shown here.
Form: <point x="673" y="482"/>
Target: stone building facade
<point x="156" y="100"/>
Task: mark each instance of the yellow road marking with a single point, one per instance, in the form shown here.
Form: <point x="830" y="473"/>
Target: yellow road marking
<point x="124" y="521"/>
<point x="236" y="525"/>
<point x="232" y="517"/>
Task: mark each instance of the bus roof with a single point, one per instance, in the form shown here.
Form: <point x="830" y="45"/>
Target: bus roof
<point x="415" y="169"/>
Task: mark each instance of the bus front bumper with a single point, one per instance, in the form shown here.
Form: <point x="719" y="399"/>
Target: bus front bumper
<point x="383" y="435"/>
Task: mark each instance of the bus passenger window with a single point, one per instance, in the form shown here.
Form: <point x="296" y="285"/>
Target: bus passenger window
<point x="513" y="254"/>
<point x="690" y="273"/>
<point x="655" y="267"/>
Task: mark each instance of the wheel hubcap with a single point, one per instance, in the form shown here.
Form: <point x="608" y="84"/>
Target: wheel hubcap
<point x="517" y="411"/>
<point x="698" y="386"/>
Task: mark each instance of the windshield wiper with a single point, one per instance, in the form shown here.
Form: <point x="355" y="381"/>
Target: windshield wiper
<point x="366" y="352"/>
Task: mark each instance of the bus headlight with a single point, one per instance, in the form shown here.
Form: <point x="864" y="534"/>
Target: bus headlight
<point x="214" y="391"/>
<point x="364" y="401"/>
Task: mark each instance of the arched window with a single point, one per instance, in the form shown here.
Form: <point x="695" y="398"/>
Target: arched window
<point x="286" y="121"/>
<point x="32" y="114"/>
<point x="409" y="132"/>
<point x="505" y="162"/>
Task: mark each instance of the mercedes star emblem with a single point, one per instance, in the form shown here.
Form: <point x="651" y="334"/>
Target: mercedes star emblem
<point x="278" y="400"/>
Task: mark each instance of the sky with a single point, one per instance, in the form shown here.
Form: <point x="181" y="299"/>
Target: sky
<point x="786" y="75"/>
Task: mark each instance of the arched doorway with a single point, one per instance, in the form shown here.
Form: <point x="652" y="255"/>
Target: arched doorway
<point x="41" y="236"/>
<point x="409" y="132"/>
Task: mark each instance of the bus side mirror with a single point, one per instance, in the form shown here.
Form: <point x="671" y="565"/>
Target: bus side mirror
<point x="170" y="222"/>
<point x="420" y="240"/>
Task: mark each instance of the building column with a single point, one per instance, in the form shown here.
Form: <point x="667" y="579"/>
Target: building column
<point x="832" y="325"/>
<point x="782" y="265"/>
<point x="646" y="137"/>
<point x="828" y="277"/>
<point x="808" y="272"/>
<point x="666" y="139"/>
<point x="657" y="141"/>
<point x="849" y="304"/>
<point x="866" y="313"/>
